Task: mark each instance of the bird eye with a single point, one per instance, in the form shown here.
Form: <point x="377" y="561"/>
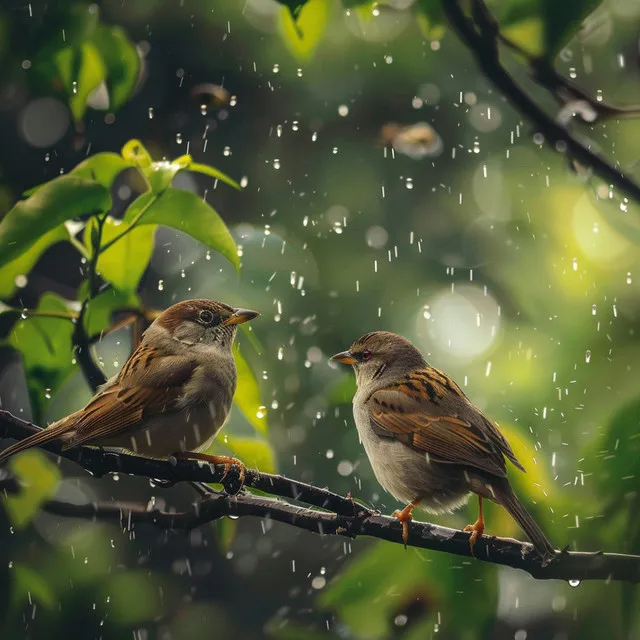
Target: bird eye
<point x="366" y="354"/>
<point x="205" y="316"/>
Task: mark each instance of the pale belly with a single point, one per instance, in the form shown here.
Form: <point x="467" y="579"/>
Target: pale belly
<point x="187" y="430"/>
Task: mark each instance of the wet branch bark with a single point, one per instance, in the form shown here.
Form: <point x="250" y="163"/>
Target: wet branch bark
<point x="332" y="514"/>
<point x="480" y="33"/>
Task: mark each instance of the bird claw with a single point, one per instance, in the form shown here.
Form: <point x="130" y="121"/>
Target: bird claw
<point x="405" y="517"/>
<point x="476" y="529"/>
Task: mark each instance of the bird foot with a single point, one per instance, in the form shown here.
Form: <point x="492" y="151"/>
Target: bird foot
<point x="405" y="518"/>
<point x="227" y="461"/>
<point x="476" y="529"/>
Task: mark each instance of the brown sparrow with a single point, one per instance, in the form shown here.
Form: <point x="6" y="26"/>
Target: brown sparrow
<point x="171" y="397"/>
<point x="427" y="443"/>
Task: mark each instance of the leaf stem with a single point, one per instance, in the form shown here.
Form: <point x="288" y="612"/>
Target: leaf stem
<point x="93" y="374"/>
<point x="131" y="225"/>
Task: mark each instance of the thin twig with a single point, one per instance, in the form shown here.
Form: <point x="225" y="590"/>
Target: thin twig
<point x="571" y="566"/>
<point x="92" y="372"/>
<point x="340" y="516"/>
<point x="483" y="45"/>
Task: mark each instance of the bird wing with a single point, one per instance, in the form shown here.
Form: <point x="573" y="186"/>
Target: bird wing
<point x="429" y="413"/>
<point x="149" y="383"/>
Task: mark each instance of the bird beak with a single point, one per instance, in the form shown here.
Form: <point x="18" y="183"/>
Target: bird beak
<point x="240" y="316"/>
<point x="345" y="357"/>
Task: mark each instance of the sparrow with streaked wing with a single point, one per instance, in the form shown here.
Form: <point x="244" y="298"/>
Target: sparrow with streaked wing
<point x="427" y="443"/>
<point x="171" y="397"/>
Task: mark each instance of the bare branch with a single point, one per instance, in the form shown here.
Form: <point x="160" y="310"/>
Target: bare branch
<point x="340" y="516"/>
<point x="480" y="34"/>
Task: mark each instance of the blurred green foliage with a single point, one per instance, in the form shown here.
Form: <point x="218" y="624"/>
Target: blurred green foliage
<point x="495" y="233"/>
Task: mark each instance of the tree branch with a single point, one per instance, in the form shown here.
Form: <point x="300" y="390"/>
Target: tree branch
<point x="340" y="516"/>
<point x="481" y="36"/>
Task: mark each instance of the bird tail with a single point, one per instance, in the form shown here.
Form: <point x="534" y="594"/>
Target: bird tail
<point x="45" y="435"/>
<point x="507" y="498"/>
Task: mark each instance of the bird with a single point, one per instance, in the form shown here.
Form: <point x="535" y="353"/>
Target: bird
<point x="428" y="445"/>
<point x="171" y="397"/>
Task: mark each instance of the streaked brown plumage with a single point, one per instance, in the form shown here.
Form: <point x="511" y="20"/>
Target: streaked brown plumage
<point x="427" y="443"/>
<point x="171" y="397"/>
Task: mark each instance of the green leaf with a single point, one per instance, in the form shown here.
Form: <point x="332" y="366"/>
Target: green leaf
<point x="123" y="263"/>
<point x="39" y="479"/>
<point x="135" y="153"/>
<point x="81" y="71"/>
<point x="256" y="454"/>
<point x="294" y="6"/>
<point x="46" y="348"/>
<point x="102" y="168"/>
<point x="28" y="585"/>
<point x="23" y="264"/>
<point x="160" y="174"/>
<point x="121" y="61"/>
<point x="58" y="200"/>
<point x="394" y="578"/>
<point x="562" y="20"/>
<point x="186" y="212"/>
<point x="214" y="173"/>
<point x="302" y="27"/>
<point x="247" y="397"/>
<point x="99" y="314"/>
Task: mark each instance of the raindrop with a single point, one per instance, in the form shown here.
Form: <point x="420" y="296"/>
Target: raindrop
<point x="628" y="277"/>
<point x="574" y="583"/>
<point x="261" y="413"/>
<point x="160" y="285"/>
<point x="227" y="151"/>
<point x="343" y="110"/>
<point x="318" y="582"/>
<point x="276" y="68"/>
<point x="409" y="183"/>
<point x="388" y="59"/>
<point x="244" y="181"/>
<point x="276" y="163"/>
<point x="203" y="109"/>
<point x="329" y="453"/>
<point x="47" y="394"/>
<point x="233" y="101"/>
<point x="150" y="113"/>
<point x="594" y="310"/>
<point x="587" y="356"/>
<point x="299" y="73"/>
<point x="75" y="87"/>
<point x="400" y="620"/>
<point x="281" y="353"/>
<point x="207" y="255"/>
